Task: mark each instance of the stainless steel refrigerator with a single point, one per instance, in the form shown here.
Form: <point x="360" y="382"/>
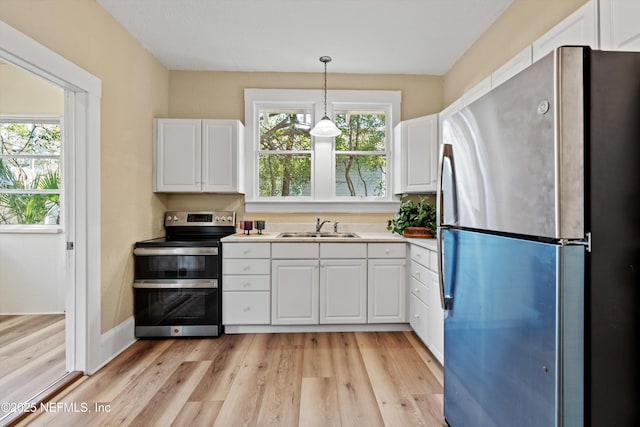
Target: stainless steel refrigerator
<point x="540" y="244"/>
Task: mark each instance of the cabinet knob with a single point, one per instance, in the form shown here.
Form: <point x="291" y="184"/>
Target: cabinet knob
<point x="247" y="268"/>
<point x="246" y="308"/>
<point x="418" y="256"/>
<point x="387" y="251"/>
<point x="417" y="291"/>
<point x="247" y="284"/>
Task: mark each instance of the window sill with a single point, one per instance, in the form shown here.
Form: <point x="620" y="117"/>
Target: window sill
<point x="31" y="229"/>
<point x="355" y="206"/>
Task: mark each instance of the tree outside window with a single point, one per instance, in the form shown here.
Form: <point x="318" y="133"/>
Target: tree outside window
<point x="30" y="171"/>
<point x="361" y="157"/>
<point x="284" y="157"/>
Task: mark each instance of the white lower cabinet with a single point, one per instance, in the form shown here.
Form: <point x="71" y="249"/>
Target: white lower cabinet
<point x="426" y="316"/>
<point x="246" y="294"/>
<point x="294" y="292"/>
<point x="387" y="291"/>
<point x="343" y="291"/>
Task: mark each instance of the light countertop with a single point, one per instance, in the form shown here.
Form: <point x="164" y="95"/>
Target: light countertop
<point x="365" y="237"/>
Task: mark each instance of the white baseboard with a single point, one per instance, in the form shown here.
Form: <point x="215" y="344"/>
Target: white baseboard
<point x="115" y="341"/>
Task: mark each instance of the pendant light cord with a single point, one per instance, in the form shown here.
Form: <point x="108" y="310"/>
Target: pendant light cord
<point x="325" y="88"/>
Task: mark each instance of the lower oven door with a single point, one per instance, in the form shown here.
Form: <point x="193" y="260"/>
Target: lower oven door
<point x="173" y="308"/>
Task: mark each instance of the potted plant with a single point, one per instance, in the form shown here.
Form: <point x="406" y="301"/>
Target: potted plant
<point x="414" y="219"/>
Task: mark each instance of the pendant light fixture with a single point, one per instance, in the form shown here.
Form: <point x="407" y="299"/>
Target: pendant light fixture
<point x="325" y="127"/>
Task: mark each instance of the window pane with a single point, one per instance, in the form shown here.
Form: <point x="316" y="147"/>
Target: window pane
<point x="361" y="175"/>
<point x="29" y="208"/>
<point x="284" y="175"/>
<point x="361" y="131"/>
<point x="285" y="130"/>
<point x="29" y="173"/>
<point x="30" y="138"/>
<point x="30" y="160"/>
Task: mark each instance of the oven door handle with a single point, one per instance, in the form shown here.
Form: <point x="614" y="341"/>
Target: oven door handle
<point x="176" y="284"/>
<point x="175" y="251"/>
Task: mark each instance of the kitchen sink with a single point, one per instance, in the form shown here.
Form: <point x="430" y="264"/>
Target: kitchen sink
<point x="313" y="234"/>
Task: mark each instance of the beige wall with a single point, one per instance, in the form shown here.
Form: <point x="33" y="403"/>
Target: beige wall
<point x="22" y="93"/>
<point x="134" y="91"/>
<point x="519" y="26"/>
<point x="220" y="95"/>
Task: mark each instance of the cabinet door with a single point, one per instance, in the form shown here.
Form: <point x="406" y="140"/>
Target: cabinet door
<point x="387" y="299"/>
<point x="435" y="319"/>
<point x="220" y="148"/>
<point x="294" y="292"/>
<point x="619" y="27"/>
<point x="579" y="28"/>
<point x="419" y="154"/>
<point x="177" y="153"/>
<point x="343" y="291"/>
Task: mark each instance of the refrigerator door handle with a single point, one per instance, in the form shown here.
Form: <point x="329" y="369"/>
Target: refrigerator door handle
<point x="444" y="301"/>
<point x="446" y="158"/>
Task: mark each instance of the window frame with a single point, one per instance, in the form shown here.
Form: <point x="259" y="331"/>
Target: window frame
<point x="323" y="198"/>
<point x="39" y="228"/>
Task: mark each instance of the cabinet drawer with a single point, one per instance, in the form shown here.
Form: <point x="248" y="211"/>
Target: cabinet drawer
<point x="343" y="250"/>
<point x="246" y="250"/>
<point x="295" y="250"/>
<point x="246" y="283"/>
<point x="387" y="250"/>
<point x="420" y="290"/>
<point x="418" y="317"/>
<point x="421" y="255"/>
<point x="246" y="308"/>
<point x="420" y="272"/>
<point x="246" y="266"/>
<point x="433" y="261"/>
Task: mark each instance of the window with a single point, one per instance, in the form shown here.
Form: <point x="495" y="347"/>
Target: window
<point x="30" y="155"/>
<point x="361" y="156"/>
<point x="284" y="155"/>
<point x="288" y="170"/>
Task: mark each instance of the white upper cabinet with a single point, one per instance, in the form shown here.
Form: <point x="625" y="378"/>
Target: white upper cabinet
<point x="579" y="28"/>
<point x="512" y="67"/>
<point x="620" y="25"/>
<point x="177" y="150"/>
<point x="416" y="155"/>
<point x="194" y="155"/>
<point x="222" y="156"/>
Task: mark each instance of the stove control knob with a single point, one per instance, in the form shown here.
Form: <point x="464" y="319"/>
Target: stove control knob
<point x="175" y="218"/>
<point x="229" y="218"/>
<point x="216" y="219"/>
<point x="168" y="217"/>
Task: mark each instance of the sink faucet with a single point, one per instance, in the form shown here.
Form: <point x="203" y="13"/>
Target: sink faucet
<point x="320" y="224"/>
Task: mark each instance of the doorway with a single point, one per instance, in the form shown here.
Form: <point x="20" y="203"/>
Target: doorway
<point x="32" y="246"/>
<point x="81" y="223"/>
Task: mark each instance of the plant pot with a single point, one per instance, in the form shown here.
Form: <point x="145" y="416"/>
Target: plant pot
<point x="417" y="233"/>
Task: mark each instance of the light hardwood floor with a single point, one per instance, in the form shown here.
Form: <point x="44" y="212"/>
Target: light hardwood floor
<point x="307" y="379"/>
<point x="31" y="355"/>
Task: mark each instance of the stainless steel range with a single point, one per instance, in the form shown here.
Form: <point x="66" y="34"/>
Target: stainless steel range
<point x="178" y="278"/>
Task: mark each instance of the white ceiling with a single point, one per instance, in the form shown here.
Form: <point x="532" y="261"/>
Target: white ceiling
<point x="362" y="36"/>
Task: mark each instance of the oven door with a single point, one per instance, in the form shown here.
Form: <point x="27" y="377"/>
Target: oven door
<point x="166" y="308"/>
<point x="176" y="263"/>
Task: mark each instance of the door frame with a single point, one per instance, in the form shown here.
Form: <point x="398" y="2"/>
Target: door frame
<point x="81" y="164"/>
